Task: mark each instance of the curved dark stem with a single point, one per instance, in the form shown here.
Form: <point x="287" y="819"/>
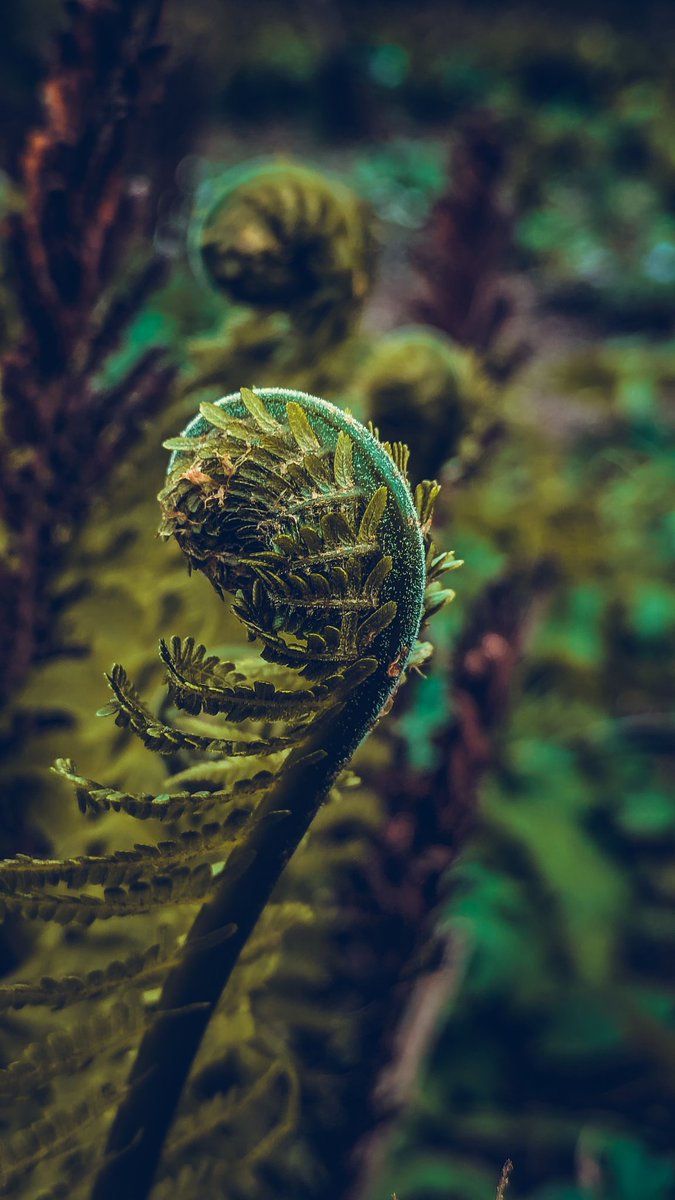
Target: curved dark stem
<point x="194" y="987"/>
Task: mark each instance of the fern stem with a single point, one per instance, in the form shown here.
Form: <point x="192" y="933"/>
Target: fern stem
<point x="194" y="987"/>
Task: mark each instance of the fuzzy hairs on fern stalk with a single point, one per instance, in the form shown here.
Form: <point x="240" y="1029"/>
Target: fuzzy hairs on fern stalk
<point x="304" y="517"/>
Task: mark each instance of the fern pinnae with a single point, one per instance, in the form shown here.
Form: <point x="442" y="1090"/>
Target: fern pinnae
<point x="30" y="876"/>
<point x="58" y="1131"/>
<point x="63" y="1052"/>
<point x="167" y="739"/>
<point x="94" y="797"/>
<point x="302" y="515"/>
<point x="141" y="969"/>
<point x="201" y="690"/>
<point x="183" y="885"/>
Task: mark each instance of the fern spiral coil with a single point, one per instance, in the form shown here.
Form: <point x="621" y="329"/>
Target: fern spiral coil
<point x="283" y="236"/>
<point x="307" y="520"/>
<point x="292" y="253"/>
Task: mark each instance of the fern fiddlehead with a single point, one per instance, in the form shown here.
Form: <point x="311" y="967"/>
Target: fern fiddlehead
<point x="284" y="237"/>
<point x="301" y="514"/>
<point x="293" y="253"/>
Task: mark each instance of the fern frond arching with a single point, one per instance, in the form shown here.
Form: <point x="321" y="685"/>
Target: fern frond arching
<point x="67" y="1052"/>
<point x="201" y="690"/>
<point x="53" y="1134"/>
<point x="30" y="876"/>
<point x="294" y="509"/>
<point x="129" y="711"/>
<point x="96" y="797"/>
<point x="183" y="885"/>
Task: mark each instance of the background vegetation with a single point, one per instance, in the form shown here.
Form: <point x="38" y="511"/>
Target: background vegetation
<point x="519" y="334"/>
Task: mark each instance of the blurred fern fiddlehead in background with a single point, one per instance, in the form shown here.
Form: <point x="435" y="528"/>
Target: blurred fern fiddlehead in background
<point x="290" y="505"/>
<point x="286" y="237"/>
<point x="292" y="252"/>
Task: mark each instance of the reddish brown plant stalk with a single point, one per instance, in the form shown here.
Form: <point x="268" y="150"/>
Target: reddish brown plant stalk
<point x="467" y="250"/>
<point x="69" y="247"/>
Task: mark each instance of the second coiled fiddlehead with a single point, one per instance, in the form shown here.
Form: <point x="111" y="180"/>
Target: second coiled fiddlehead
<point x="307" y="519"/>
<point x="292" y="254"/>
<point x="283" y="236"/>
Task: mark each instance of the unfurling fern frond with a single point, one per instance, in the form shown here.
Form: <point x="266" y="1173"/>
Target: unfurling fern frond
<point x="307" y="520"/>
<point x="283" y="237"/>
<point x="293" y="253"/>
<point x="424" y="388"/>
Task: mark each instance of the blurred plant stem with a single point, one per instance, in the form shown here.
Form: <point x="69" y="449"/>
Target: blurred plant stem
<point x="70" y="246"/>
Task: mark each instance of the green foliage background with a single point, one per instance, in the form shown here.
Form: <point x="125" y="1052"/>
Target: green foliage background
<point x="556" y="1046"/>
